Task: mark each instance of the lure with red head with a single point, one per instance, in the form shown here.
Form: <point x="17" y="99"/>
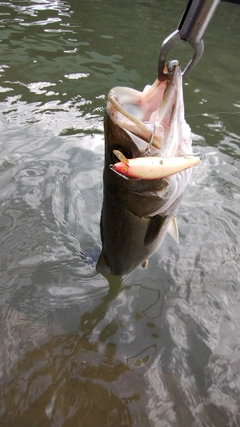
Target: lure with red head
<point x="152" y="167"/>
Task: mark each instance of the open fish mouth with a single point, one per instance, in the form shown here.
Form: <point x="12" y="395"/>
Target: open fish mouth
<point x="154" y="118"/>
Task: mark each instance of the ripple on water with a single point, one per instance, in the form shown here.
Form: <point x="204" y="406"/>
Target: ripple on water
<point x="161" y="347"/>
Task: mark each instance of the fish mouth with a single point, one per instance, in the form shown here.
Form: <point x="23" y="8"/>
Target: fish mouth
<point x="154" y="118"/>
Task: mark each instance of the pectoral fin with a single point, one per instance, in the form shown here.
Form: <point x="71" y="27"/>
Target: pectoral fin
<point x="173" y="229"/>
<point x="154" y="228"/>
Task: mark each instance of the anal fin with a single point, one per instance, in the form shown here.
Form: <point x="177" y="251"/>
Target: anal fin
<point x="173" y="229"/>
<point x="145" y="264"/>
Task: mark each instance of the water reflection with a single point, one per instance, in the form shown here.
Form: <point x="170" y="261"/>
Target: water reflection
<point x="162" y="347"/>
<point x="64" y="385"/>
<point x="85" y="375"/>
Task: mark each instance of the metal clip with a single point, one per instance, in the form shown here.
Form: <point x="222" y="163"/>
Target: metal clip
<point x="191" y="29"/>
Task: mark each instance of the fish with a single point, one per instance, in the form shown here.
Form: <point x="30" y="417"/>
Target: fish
<point x="138" y="211"/>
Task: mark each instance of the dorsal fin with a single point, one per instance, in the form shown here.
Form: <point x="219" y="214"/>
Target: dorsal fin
<point x="102" y="265"/>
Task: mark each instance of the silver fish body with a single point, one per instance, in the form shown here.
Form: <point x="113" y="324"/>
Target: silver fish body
<point x="137" y="213"/>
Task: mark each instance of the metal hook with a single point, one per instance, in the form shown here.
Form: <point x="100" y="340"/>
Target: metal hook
<point x="191" y="29"/>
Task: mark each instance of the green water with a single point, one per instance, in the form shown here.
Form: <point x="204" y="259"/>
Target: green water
<point x="162" y="348"/>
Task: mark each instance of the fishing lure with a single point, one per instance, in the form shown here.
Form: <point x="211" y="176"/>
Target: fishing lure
<point x="152" y="167"/>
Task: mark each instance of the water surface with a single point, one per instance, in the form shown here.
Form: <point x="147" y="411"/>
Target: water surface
<point x="162" y="347"/>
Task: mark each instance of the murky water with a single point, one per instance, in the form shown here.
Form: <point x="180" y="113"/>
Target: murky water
<point x="162" y="348"/>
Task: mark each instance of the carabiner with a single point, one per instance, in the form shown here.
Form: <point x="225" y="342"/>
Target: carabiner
<point x="190" y="29"/>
